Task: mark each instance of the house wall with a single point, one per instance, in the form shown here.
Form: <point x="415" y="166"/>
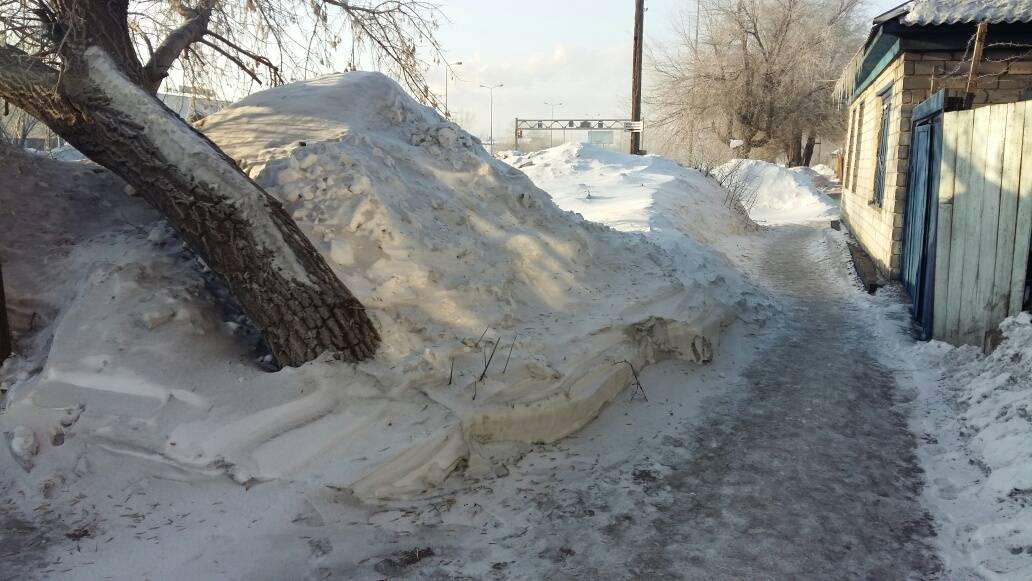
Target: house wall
<point x="913" y="76"/>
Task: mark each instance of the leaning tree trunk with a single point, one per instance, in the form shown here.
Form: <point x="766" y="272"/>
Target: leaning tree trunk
<point x="241" y="232"/>
<point x="5" y="329"/>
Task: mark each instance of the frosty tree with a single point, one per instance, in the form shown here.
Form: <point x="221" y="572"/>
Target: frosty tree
<point x="758" y="71"/>
<point x="76" y="66"/>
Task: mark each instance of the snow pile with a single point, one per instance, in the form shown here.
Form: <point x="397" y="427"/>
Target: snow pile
<point x="823" y="170"/>
<point x="996" y="393"/>
<point x="633" y="193"/>
<point x="504" y="318"/>
<point x="774" y="194"/>
<point x="66" y="153"/>
<point x="992" y="399"/>
<point x="678" y="208"/>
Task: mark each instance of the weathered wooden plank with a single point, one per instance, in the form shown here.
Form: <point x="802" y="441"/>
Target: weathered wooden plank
<point x="971" y="235"/>
<point x="964" y="121"/>
<point x="990" y="227"/>
<point x="944" y="225"/>
<point x="1023" y="230"/>
<point x="940" y="303"/>
<point x="999" y="299"/>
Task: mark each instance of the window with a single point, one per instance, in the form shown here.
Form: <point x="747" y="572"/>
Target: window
<point x="849" y="149"/>
<point x="856" y="144"/>
<point x="883" y="146"/>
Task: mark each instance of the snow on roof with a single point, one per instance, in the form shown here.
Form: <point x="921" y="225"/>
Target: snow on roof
<point x="934" y="12"/>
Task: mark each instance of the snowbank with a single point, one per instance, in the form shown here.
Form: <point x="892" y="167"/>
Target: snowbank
<point x="633" y="193"/>
<point x="823" y="170"/>
<point x="996" y="393"/>
<point x="677" y="208"/>
<point x="980" y="462"/>
<point x="504" y="318"/>
<point x="774" y="194"/>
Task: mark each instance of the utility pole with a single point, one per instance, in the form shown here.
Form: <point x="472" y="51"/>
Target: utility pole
<point x="491" y="88"/>
<point x="447" y="69"/>
<point x="553" y="106"/>
<point x="639" y="14"/>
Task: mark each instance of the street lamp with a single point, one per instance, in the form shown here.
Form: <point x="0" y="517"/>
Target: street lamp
<point x="447" y="69"/>
<point x="553" y="106"/>
<point x="491" y="88"/>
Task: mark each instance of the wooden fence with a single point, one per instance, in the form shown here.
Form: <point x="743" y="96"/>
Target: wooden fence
<point x="984" y="220"/>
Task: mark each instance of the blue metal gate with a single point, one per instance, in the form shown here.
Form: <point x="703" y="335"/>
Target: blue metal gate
<point x="917" y="261"/>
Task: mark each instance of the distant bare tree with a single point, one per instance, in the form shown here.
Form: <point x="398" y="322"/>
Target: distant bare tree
<point x="16" y="126"/>
<point x="76" y="66"/>
<point x="759" y="71"/>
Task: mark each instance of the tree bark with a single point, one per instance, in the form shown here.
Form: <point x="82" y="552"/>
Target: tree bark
<point x="240" y="231"/>
<point x="811" y="142"/>
<point x="5" y="328"/>
<point x="794" y="149"/>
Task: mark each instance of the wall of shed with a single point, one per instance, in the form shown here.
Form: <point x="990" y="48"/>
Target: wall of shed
<point x="913" y="77"/>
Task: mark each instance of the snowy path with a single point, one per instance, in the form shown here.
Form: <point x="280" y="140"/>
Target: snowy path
<point x="812" y="474"/>
<point x="788" y="458"/>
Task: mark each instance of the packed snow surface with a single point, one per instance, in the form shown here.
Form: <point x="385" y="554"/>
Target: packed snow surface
<point x="774" y="194"/>
<point x="504" y="318"/>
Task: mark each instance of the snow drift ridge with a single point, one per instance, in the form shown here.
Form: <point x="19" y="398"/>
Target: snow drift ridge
<point x="454" y="254"/>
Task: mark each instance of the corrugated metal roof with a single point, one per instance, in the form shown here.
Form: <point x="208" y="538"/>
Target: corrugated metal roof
<point x="932" y="12"/>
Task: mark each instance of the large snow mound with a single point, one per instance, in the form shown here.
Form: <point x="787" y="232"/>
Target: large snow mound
<point x="774" y="194"/>
<point x="633" y="193"/>
<point x="678" y="208"/>
<point x="504" y="317"/>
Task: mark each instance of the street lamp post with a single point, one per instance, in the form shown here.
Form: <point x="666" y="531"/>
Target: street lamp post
<point x="491" y="88"/>
<point x="553" y="106"/>
<point x="447" y="69"/>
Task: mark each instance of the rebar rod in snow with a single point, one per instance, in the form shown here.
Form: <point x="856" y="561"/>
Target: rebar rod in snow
<point x="510" y="353"/>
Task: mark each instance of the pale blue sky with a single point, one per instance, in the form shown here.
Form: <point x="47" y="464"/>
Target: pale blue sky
<point x="572" y="51"/>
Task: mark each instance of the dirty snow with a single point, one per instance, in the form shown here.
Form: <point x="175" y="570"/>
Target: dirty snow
<point x="776" y="195"/>
<point x="143" y="439"/>
<point x="973" y="411"/>
<point x="129" y="378"/>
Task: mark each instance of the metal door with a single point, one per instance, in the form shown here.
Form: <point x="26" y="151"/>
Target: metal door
<point x="917" y="261"/>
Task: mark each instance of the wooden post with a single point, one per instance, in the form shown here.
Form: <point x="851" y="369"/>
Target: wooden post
<point x="976" y="58"/>
<point x="639" y="14"/>
<point x="5" y="330"/>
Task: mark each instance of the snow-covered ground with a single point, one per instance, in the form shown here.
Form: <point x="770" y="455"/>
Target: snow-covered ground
<point x="507" y="322"/>
<point x="144" y="438"/>
<point x="974" y="413"/>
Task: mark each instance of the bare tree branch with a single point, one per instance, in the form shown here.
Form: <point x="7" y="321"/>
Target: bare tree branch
<point x="191" y="31"/>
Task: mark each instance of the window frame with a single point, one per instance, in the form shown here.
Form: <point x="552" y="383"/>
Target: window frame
<point x="856" y="145"/>
<point x="846" y="182"/>
<point x="881" y="156"/>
